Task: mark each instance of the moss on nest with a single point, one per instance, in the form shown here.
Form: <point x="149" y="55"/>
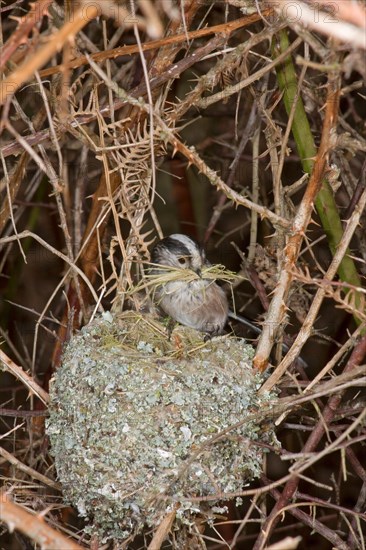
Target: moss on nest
<point x="135" y="420"/>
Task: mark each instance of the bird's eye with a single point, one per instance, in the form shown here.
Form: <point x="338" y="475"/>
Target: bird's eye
<point x="182" y="260"/>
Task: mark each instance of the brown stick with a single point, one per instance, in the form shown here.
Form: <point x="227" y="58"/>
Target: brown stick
<point x="29" y="471"/>
<point x="308" y="324"/>
<point x="26" y="70"/>
<point x="163" y="530"/>
<point x="34" y="16"/>
<point x="174" y="71"/>
<point x="226" y="28"/>
<point x="313" y="523"/>
<point x="326" y="417"/>
<point x="33" y="526"/>
<point x="277" y="309"/>
<point x="27" y="380"/>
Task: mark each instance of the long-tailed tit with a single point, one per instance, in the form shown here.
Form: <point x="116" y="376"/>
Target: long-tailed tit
<point x="198" y="303"/>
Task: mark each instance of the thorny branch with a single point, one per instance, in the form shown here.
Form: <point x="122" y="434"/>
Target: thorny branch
<point x="326" y="418"/>
<point x="17" y="517"/>
<point x="306" y="328"/>
<point x="276" y="314"/>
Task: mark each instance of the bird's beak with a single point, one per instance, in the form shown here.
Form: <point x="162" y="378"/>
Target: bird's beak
<point x="199" y="272"/>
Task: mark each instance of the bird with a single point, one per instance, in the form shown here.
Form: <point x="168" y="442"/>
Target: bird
<point x="200" y="303"/>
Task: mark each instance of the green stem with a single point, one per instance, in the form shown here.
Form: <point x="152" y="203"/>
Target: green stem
<point x="325" y="203"/>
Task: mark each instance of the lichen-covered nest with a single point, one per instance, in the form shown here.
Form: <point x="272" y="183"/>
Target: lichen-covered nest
<point x="140" y="422"/>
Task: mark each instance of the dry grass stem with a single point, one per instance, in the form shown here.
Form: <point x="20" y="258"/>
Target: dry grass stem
<point x="169" y="274"/>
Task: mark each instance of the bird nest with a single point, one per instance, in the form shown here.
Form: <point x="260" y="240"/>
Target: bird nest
<point x="142" y="424"/>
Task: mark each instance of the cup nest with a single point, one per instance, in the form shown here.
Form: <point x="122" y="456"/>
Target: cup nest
<point x="141" y="423"/>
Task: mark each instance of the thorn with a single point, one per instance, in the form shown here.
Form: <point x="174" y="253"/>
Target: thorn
<point x="16" y="18"/>
<point x="313" y="222"/>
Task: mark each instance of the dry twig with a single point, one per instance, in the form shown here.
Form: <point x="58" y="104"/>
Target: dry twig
<point x="34" y="527"/>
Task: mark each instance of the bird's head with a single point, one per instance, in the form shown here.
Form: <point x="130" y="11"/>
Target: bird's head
<point x="179" y="251"/>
